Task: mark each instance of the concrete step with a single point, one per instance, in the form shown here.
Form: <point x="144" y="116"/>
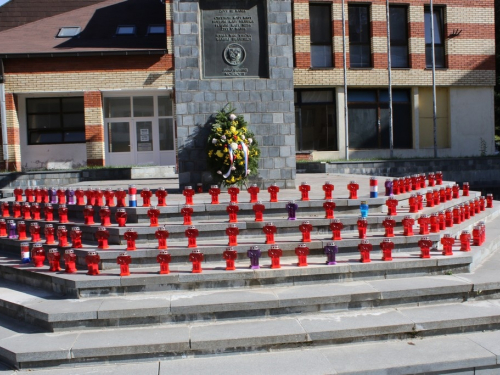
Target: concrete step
<point x="271" y="334"/>
<point x="147" y="279"/>
<point x="213" y="247"/>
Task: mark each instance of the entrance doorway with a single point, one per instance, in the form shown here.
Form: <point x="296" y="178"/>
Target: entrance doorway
<point x="139" y="130"/>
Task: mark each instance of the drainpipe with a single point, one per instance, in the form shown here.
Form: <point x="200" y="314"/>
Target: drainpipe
<point x="3" y="117"/>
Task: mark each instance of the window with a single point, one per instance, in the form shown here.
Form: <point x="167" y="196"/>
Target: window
<point x="359" y="36"/>
<point x="165" y="123"/>
<point x="316" y="128"/>
<point x="156" y="29"/>
<point x="321" y="35"/>
<point x="125" y="30"/>
<point x="438" y="37"/>
<point x="399" y="36"/>
<point x="369" y="119"/>
<point x="55" y="120"/>
<point x="68" y="32"/>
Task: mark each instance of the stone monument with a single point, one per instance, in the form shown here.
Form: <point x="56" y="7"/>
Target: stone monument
<point x="237" y="52"/>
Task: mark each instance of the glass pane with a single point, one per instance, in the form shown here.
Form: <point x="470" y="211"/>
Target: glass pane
<point x="438" y="31"/>
<point x="317" y="97"/>
<point x="125" y="30"/>
<point x="164" y="106"/>
<point x="402" y="96"/>
<point x="360" y="56"/>
<point x="318" y="128"/>
<point x="116" y="107"/>
<point x="74" y="120"/>
<point x="362" y="96"/>
<point x="44" y="121"/>
<point x="39" y="138"/>
<point x="166" y="128"/>
<point x="402" y="132"/>
<point x="321" y="56"/>
<point x="384" y="128"/>
<point x="156" y="29"/>
<point x="363" y="127"/>
<point x="119" y="137"/>
<point x="66" y="32"/>
<point x="45" y="105"/>
<point x="143" y="106"/>
<point x="144" y="131"/>
<point x="359" y="24"/>
<point x="74" y="137"/>
<point x="399" y="25"/>
<point x="321" y="23"/>
<point x="399" y="56"/>
<point x="439" y="51"/>
<point x="72" y="105"/>
<point x="297" y="128"/>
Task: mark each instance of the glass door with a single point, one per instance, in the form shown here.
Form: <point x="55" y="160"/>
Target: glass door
<point x="146" y="140"/>
<point x="119" y="144"/>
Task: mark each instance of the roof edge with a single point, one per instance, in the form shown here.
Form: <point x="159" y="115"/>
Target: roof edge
<point x="77" y="54"/>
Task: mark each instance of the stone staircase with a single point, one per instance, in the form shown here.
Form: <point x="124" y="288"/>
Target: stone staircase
<point x="285" y="315"/>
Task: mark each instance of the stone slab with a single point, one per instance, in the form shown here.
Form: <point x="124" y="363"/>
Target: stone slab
<point x="214" y="337"/>
<point x="408" y="356"/>
<point x="143" y="368"/>
<point x="201" y="302"/>
<point x="134" y="307"/>
<point x="454" y="315"/>
<point x="355" y="324"/>
<point x="122" y="342"/>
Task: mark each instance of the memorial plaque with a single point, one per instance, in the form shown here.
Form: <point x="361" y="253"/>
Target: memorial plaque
<point x="234" y="38"/>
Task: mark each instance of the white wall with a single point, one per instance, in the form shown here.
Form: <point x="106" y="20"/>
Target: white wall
<point x="65" y="156"/>
<point x="472" y="118"/>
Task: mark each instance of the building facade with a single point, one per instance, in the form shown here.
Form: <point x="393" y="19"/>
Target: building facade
<point x="135" y="82"/>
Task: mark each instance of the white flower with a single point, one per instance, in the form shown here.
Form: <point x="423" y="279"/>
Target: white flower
<point x="250" y="140"/>
<point x="248" y="170"/>
<point x="242" y="136"/>
<point x="214" y="140"/>
<point x="232" y="117"/>
<point x="234" y="146"/>
<point x="233" y="168"/>
<point x="223" y="137"/>
<point x="219" y="172"/>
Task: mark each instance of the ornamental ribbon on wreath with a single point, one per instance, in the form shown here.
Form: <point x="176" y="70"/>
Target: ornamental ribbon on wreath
<point x="244" y="147"/>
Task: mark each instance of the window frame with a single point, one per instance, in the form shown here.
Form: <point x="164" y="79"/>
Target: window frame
<point x="400" y="43"/>
<point x="379" y="104"/>
<point x="330" y="31"/>
<point x="299" y="104"/>
<point x="440" y="10"/>
<point x="369" y="43"/>
<point x="60" y="129"/>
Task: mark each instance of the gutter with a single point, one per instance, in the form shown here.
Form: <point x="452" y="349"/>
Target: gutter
<point x="3" y="117"/>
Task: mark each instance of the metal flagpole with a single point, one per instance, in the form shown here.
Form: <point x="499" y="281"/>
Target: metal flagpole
<point x="346" y="115"/>
<point x="389" y="69"/>
<point x="434" y="110"/>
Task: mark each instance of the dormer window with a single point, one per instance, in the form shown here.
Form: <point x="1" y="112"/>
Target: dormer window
<point x="68" y="32"/>
<point x="156" y="29"/>
<point x="125" y="30"/>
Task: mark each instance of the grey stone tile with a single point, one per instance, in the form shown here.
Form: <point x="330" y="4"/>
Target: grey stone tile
<point x="145" y="368"/>
<point x="131" y="341"/>
<point x="350" y="325"/>
<point x="133" y="307"/>
<point x="65" y="310"/>
<point x="36" y="347"/>
<point x="454" y="315"/>
<point x="215" y="337"/>
<point x="199" y="302"/>
<point x="408" y="356"/>
<point x="488" y="340"/>
<point x="296" y="362"/>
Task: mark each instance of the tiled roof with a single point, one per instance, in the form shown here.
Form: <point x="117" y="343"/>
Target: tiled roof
<point x="20" y="12"/>
<point x="98" y="23"/>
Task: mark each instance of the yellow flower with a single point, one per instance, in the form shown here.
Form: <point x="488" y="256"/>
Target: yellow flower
<point x="219" y="153"/>
<point x="232" y="129"/>
<point x="241" y="163"/>
<point x="210" y="153"/>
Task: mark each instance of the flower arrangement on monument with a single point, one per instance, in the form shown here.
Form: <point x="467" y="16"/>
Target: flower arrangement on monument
<point x="232" y="150"/>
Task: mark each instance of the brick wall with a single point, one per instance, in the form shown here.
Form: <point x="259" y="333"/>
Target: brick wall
<point x="94" y="128"/>
<point x="470" y="56"/>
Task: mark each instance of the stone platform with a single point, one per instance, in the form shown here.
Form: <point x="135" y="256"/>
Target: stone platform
<point x="310" y="315"/>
